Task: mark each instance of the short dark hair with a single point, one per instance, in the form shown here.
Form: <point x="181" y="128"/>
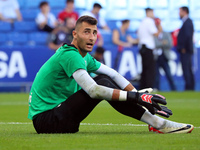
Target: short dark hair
<point x="97" y="5"/>
<point x="148" y="9"/>
<point x="90" y="20"/>
<point x="68" y="1"/>
<point x="185" y="8"/>
<point x="125" y="21"/>
<point x="43" y="3"/>
<point x="100" y="50"/>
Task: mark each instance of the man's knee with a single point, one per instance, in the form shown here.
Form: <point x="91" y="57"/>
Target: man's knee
<point x="106" y="81"/>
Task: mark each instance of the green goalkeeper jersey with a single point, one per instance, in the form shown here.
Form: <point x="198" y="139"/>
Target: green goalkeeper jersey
<point x="54" y="83"/>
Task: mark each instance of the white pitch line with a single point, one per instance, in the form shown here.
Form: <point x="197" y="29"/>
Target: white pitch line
<point x="88" y="124"/>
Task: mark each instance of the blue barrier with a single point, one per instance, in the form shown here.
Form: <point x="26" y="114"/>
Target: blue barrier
<point x="18" y="66"/>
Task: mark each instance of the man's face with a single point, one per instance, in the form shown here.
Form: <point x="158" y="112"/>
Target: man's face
<point x="70" y="6"/>
<point x="45" y="8"/>
<point x="86" y="36"/>
<point x="151" y="13"/>
<point x="181" y="13"/>
<point x="96" y="10"/>
<point x="70" y="24"/>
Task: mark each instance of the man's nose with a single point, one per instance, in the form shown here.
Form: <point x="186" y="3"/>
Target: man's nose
<point x="92" y="37"/>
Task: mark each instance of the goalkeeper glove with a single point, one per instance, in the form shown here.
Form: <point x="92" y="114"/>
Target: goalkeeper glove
<point x="149" y="101"/>
<point x="165" y="112"/>
<point x="147" y="90"/>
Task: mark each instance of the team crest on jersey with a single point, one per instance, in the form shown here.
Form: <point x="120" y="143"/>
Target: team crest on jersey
<point x="146" y="98"/>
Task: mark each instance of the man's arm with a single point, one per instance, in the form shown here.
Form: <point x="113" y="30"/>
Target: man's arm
<point x="119" y="79"/>
<point x="97" y="91"/>
<point x="150" y="101"/>
<point x="116" y="40"/>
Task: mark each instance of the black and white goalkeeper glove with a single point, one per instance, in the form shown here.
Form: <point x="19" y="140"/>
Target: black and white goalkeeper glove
<point x="149" y="101"/>
<point x="165" y="112"/>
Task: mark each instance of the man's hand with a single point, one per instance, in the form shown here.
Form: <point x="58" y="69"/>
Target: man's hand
<point x="149" y="101"/>
<point x="147" y="90"/>
<point x="165" y="112"/>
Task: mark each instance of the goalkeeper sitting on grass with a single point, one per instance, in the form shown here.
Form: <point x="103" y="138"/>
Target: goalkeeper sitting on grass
<point x="63" y="93"/>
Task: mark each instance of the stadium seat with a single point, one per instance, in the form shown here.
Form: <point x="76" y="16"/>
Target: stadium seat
<point x="174" y="14"/>
<point x="5" y="26"/>
<point x="32" y="4"/>
<point x="134" y="25"/>
<point x="171" y="25"/>
<point x="21" y="3"/>
<point x="56" y="11"/>
<point x="158" y="4"/>
<point x="29" y="14"/>
<point x="107" y="37"/>
<point x="194" y="4"/>
<point x="117" y="14"/>
<point x="119" y="4"/>
<point x="80" y="4"/>
<point x="3" y="38"/>
<point x="195" y="14"/>
<point x="57" y="4"/>
<point x="197" y="25"/>
<point x="161" y="13"/>
<point x="111" y="24"/>
<point x="17" y="38"/>
<point x="176" y="4"/>
<point x="38" y="38"/>
<point x="25" y="26"/>
<point x="137" y="4"/>
<point x="138" y="14"/>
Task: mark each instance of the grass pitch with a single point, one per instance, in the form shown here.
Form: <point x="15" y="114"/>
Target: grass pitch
<point x="103" y="129"/>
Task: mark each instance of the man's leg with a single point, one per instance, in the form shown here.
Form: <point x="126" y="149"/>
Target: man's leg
<point x="148" y="68"/>
<point x="168" y="74"/>
<point x="66" y="117"/>
<point x="187" y="71"/>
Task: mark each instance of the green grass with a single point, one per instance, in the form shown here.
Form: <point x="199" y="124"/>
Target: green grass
<point x="95" y="133"/>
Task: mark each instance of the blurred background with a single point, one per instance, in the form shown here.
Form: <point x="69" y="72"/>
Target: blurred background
<point x="24" y="46"/>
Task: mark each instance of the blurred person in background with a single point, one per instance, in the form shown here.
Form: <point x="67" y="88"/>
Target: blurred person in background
<point x="45" y="20"/>
<point x="95" y="13"/>
<point x="162" y="55"/>
<point x="10" y="11"/>
<point x="185" y="47"/>
<point x="68" y="12"/>
<point x="98" y="54"/>
<point x="146" y="32"/>
<point x="122" y="38"/>
<point x="62" y="34"/>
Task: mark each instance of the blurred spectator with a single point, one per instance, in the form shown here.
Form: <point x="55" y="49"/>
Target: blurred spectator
<point x="95" y="14"/>
<point x="62" y="34"/>
<point x="146" y="32"/>
<point x="122" y="38"/>
<point x="9" y="11"/>
<point x="162" y="52"/>
<point x="45" y="20"/>
<point x="98" y="54"/>
<point x="68" y="12"/>
<point x="185" y="47"/>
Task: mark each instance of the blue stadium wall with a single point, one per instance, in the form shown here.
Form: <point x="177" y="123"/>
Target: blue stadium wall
<point x="20" y="65"/>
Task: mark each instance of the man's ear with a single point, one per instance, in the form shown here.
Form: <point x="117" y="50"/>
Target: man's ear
<point x="74" y="33"/>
